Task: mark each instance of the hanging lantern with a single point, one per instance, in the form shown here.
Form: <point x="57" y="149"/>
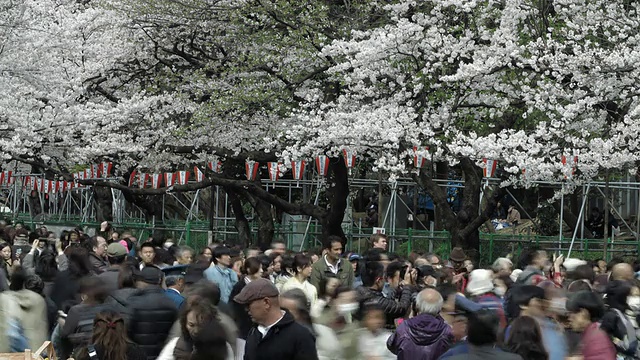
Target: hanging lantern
<point x="5" y="177"/>
<point x="297" y="169"/>
<point x="215" y="166"/>
<point x="274" y="173"/>
<point x="251" y="169"/>
<point x="33" y="183"/>
<point x="105" y="169"/>
<point x="156" y="180"/>
<point x="573" y="165"/>
<point x="62" y="186"/>
<point x="143" y="178"/>
<point x="419" y="160"/>
<point x="198" y="174"/>
<point x="322" y="165"/>
<point x="132" y="178"/>
<point x="489" y="167"/>
<point x="183" y="177"/>
<point x="95" y="171"/>
<point x="169" y="179"/>
<point x="349" y="159"/>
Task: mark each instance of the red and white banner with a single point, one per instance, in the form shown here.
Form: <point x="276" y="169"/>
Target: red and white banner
<point x="322" y="165"/>
<point x="574" y="164"/>
<point x="183" y="177"/>
<point x="143" y="179"/>
<point x="156" y="180"/>
<point x="489" y="167"/>
<point x="349" y="158"/>
<point x="105" y="169"/>
<point x="5" y="177"/>
<point x="297" y="169"/>
<point x="169" y="179"/>
<point x="33" y="183"/>
<point x="419" y="159"/>
<point x="251" y="169"/>
<point x="215" y="166"/>
<point x="132" y="178"/>
<point x="274" y="172"/>
<point x="95" y="171"/>
<point x="198" y="174"/>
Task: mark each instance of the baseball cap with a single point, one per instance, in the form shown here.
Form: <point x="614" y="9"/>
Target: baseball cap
<point x="149" y="274"/>
<point x="116" y="250"/>
<point x="256" y="290"/>
<point x="354" y="257"/>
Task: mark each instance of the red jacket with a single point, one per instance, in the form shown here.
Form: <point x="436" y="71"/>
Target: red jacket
<point x="596" y="344"/>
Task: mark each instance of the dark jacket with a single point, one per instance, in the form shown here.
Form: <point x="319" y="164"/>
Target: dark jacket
<point x="424" y="337"/>
<point x="152" y="316"/>
<point x="119" y="299"/>
<point x="98" y="264"/>
<point x="286" y="340"/>
<point x="392" y="309"/>
<point x="482" y="353"/>
<point x="110" y="278"/>
<point x="240" y="315"/>
<point x="78" y="326"/>
<point x="133" y="353"/>
<point x="65" y="289"/>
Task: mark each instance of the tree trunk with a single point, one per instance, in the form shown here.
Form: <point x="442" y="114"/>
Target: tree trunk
<point x="337" y="193"/>
<point x="241" y="223"/>
<point x="104" y="202"/>
<point x="265" y="220"/>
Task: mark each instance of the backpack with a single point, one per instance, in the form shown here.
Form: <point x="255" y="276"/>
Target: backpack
<point x="18" y="341"/>
<point x="628" y="346"/>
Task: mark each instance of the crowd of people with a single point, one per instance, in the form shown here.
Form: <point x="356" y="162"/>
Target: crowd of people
<point x="111" y="297"/>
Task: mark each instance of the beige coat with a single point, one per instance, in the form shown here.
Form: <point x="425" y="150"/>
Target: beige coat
<point x="31" y="310"/>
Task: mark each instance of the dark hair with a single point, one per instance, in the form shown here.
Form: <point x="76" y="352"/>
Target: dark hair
<point x="265" y="261"/>
<point x="300" y="261"/>
<point x="522" y="295"/>
<point x="203" y="289"/>
<point x="302" y="304"/>
<point x="109" y="335"/>
<point x="219" y="252"/>
<point x="393" y="268"/>
<point x="328" y="243"/>
<point x="94" y="287"/>
<point x="525" y="339"/>
<point x="583" y="272"/>
<point x="589" y="301"/>
<point x="322" y="286"/>
<point x="147" y="245"/>
<point x="251" y="266"/>
<point x="4" y="245"/>
<point x="125" y="276"/>
<point x="527" y="256"/>
<point x="482" y="328"/>
<point x="617" y="292"/>
<point x="79" y="265"/>
<point x="35" y="284"/>
<point x="210" y="342"/>
<point x="90" y="243"/>
<point x="205" y="311"/>
<point x="46" y="266"/>
<point x="18" y="278"/>
<point x="446" y="290"/>
<point x="374" y="254"/>
<point x="578" y="285"/>
<point x="373" y="271"/>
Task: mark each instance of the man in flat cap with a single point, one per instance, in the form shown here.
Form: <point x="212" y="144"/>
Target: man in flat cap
<point x="275" y="334"/>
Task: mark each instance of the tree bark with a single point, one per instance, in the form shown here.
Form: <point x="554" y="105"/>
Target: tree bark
<point x="241" y="223"/>
<point x="265" y="220"/>
<point x="337" y="193"/>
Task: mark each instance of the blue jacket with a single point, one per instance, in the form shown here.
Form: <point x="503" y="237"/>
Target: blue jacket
<point x="175" y="297"/>
<point x="226" y="279"/>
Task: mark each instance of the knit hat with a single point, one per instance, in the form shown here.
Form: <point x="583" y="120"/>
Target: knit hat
<point x="480" y="282"/>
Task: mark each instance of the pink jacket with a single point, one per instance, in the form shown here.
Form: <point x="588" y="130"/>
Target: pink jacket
<point x="596" y="344"/>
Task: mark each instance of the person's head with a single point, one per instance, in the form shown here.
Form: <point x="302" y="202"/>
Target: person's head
<point x="622" y="271"/>
<point x="203" y="290"/>
<point x="602" y="265"/>
<point x="583" y="272"/>
<point x="296" y="302"/>
<point x="222" y="256"/>
<point x="252" y="268"/>
<point x="457" y="258"/>
<point x="432" y="259"/>
<point x="374" y="317"/>
<point x="35" y="284"/>
<point x="210" y="343"/>
<point x="236" y="265"/>
<point x="278" y="247"/>
<point x="502" y="266"/>
<point x="302" y="266"/>
<point x="147" y="253"/>
<point x="617" y="292"/>
<point x="116" y="253"/>
<point x="529" y="299"/>
<point x="533" y="256"/>
<point x="149" y="276"/>
<point x="429" y="301"/>
<point x="260" y="297"/>
<point x="110" y="332"/>
<point x="93" y="290"/>
<point x="373" y="276"/>
<point x="194" y="315"/>
<point x="585" y="308"/>
<point x="96" y="245"/>
<point x="525" y="339"/>
<point x="379" y="241"/>
<point x="184" y="255"/>
<point x="276" y="260"/>
<point x="480" y="282"/>
<point x="175" y="282"/>
<point x="327" y="287"/>
<point x="333" y="245"/>
<point x="5" y="251"/>
<point x="483" y="327"/>
<point x="345" y="301"/>
<point x="392" y="274"/>
<point x="354" y="259"/>
<point x="207" y="253"/>
<point x="79" y="264"/>
<point x="125" y="277"/>
<point x="468" y="264"/>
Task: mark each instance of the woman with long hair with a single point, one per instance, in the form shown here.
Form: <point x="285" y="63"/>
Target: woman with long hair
<point x="525" y="339"/>
<point x="109" y="340"/>
<point x="302" y="271"/>
<point x="66" y="285"/>
<point x="251" y="270"/>
<point x="7" y="259"/>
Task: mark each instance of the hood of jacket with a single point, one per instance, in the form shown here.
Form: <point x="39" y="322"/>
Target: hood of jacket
<point x="425" y="329"/>
<point x="26" y="299"/>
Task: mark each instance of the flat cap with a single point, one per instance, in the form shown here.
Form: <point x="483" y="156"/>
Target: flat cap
<point x="256" y="290"/>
